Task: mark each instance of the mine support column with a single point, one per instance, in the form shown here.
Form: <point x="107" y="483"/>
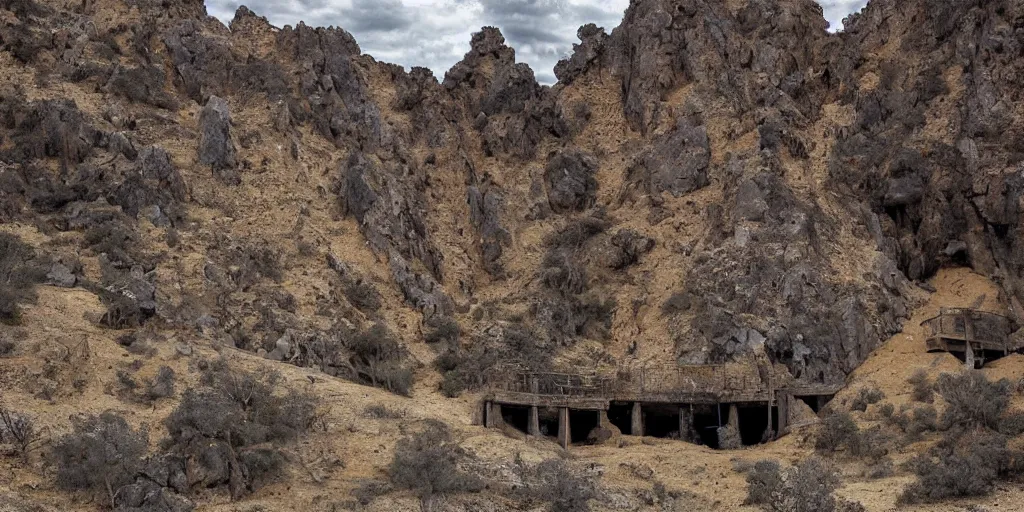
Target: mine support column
<point x="734" y="417"/>
<point x="564" y="431"/>
<point x="686" y="423"/>
<point x="636" y="428"/>
<point x="493" y="419"/>
<point x="533" y="427"/>
<point x="784" y="400"/>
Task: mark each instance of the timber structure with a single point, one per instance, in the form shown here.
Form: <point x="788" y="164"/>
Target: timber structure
<point x="690" y="402"/>
<point x="973" y="336"/>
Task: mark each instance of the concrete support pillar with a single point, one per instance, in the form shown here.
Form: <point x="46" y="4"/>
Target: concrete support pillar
<point x="734" y="417"/>
<point x="533" y="427"/>
<point x="686" y="423"/>
<point x="494" y="419"/>
<point x="564" y="430"/>
<point x="637" y="417"/>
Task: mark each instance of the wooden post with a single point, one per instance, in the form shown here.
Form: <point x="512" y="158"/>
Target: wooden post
<point x="685" y="423"/>
<point x="533" y="428"/>
<point x="494" y="419"/>
<point x="734" y="417"/>
<point x="564" y="430"/>
<point x="637" y="417"/>
<point x="783" y="413"/>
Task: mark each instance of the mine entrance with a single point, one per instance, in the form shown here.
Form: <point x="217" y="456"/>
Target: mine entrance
<point x="516" y="416"/>
<point x="661" y="420"/>
<point x="816" y="402"/>
<point x="620" y="414"/>
<point x="547" y="417"/>
<point x="754" y="422"/>
<point x="706" y="422"/>
<point x="581" y="423"/>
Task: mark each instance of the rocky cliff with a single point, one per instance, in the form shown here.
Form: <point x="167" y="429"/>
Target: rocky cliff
<point x="710" y="181"/>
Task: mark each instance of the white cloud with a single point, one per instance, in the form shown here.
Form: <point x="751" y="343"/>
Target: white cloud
<point x="435" y="33"/>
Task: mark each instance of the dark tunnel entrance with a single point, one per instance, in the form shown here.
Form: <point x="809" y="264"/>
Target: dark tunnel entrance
<point x="516" y="416"/>
<point x="661" y="420"/>
<point x="581" y="423"/>
<point x="754" y="422"/>
<point x="816" y="402"/>
<point x="620" y="414"/>
<point x="706" y="423"/>
<point x="548" y="419"/>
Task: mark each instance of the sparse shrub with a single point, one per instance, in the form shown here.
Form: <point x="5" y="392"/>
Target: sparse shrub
<point x="115" y="238"/>
<point x="866" y="396"/>
<point x="20" y="271"/>
<point x="886" y="410"/>
<point x="238" y="414"/>
<point x="7" y="345"/>
<point x="872" y="444"/>
<point x="960" y="466"/>
<point x="553" y="482"/>
<point x="363" y="295"/>
<point x="806" y="487"/>
<point x="122" y="313"/>
<point x="1012" y="424"/>
<point x="18" y="430"/>
<point x="102" y="455"/>
<point x="973" y="401"/>
<point x="729" y="438"/>
<point x="443" y="329"/>
<point x="922" y="387"/>
<point x="762" y="481"/>
<point x="379" y="359"/>
<point x="883" y="468"/>
<point x="427" y="463"/>
<point x="836" y="430"/>
<point x="382" y="412"/>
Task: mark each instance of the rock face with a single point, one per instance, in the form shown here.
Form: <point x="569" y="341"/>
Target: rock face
<point x="712" y="181"/>
<point x="216" y="148"/>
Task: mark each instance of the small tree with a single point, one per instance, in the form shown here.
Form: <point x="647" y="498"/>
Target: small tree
<point x="102" y="455"/>
<point x="18" y="430"/>
<point x="427" y="463"/>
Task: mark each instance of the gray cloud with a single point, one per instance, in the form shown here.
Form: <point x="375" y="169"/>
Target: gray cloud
<point x="435" y="33"/>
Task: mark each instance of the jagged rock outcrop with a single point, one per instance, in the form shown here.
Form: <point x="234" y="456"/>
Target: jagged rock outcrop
<point x="216" y="149"/>
<point x="788" y="183"/>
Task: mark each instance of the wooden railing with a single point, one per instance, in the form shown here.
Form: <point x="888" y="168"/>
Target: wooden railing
<point x="970" y="325"/>
<point x="682" y="381"/>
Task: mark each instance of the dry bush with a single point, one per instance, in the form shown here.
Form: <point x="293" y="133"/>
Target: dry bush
<point x="553" y="482"/>
<point x="866" y="396"/>
<point x="837" y="429"/>
<point x="806" y="487"/>
<point x="383" y="412"/>
<point x="380" y="360"/>
<point x="20" y="271"/>
<point x="922" y="388"/>
<point x="960" y="466"/>
<point x="916" y="421"/>
<point x="18" y="430"/>
<point x="427" y="463"/>
<point x="102" y="455"/>
<point x="973" y="401"/>
<point x="443" y="329"/>
<point x="363" y="295"/>
<point x="468" y="369"/>
<point x="238" y="415"/>
<point x="762" y="480"/>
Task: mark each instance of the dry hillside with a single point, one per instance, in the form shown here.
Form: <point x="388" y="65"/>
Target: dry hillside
<point x="252" y="268"/>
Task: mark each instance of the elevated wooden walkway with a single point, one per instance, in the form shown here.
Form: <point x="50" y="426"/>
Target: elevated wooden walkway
<point x="972" y="335"/>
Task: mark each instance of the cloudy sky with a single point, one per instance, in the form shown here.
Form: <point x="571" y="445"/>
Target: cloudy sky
<point x="435" y="33"/>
